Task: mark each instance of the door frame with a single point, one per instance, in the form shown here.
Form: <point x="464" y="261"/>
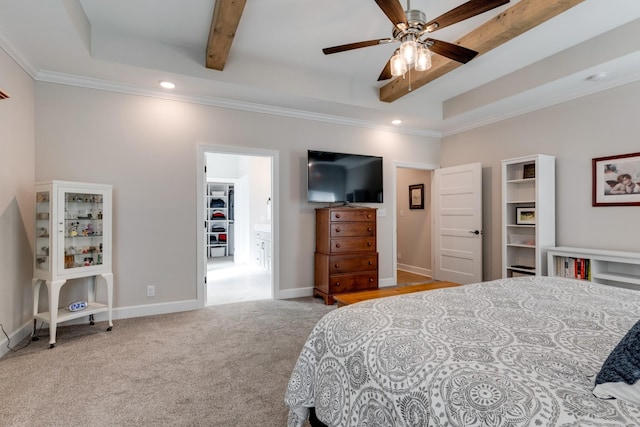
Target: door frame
<point x="201" y="264"/>
<point x="401" y="165"/>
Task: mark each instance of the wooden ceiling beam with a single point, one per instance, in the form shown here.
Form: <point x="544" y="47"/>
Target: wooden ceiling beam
<point x="514" y="21"/>
<point x="225" y="21"/>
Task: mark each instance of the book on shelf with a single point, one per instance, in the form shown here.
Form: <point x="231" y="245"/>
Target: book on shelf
<point x="574" y="268"/>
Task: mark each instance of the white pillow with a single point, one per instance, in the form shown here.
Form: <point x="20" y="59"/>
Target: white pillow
<point x="622" y="391"/>
<point x="620" y="374"/>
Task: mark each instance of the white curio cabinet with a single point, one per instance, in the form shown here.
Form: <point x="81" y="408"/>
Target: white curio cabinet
<point x="73" y="240"/>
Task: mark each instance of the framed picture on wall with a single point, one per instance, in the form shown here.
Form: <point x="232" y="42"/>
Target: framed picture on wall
<point x="416" y="196"/>
<point x="616" y="180"/>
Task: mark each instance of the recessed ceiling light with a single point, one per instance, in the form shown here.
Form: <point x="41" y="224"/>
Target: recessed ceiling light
<point x="396" y="121"/>
<point x="167" y="85"/>
<point x="598" y="77"/>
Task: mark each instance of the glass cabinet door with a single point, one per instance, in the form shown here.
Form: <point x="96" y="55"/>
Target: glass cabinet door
<point x="82" y="229"/>
<point x="43" y="226"/>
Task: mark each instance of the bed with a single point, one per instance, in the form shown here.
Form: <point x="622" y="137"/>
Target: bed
<point x="511" y="352"/>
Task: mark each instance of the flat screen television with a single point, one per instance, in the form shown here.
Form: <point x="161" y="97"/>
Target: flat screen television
<point x="345" y="178"/>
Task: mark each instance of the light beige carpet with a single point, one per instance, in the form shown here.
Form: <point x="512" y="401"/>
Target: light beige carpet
<point x="225" y="365"/>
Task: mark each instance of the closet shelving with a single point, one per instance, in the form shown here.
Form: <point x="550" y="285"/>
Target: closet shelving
<point x="219" y="219"/>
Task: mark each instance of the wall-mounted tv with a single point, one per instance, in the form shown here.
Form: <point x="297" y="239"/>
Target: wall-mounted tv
<point x="343" y="178"/>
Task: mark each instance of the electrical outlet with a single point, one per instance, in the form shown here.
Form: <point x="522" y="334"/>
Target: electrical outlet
<point x="151" y="290"/>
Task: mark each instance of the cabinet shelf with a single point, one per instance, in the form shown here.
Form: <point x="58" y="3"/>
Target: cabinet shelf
<point x="527" y="182"/>
<point x="521" y="202"/>
<point x="617" y="277"/>
<point x="530" y="271"/>
<point x="614" y="268"/>
<point x="64" y="314"/>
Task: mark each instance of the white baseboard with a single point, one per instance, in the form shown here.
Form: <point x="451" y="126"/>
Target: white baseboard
<point x="385" y="283"/>
<point x="295" y="293"/>
<point x="414" y="269"/>
<point x="117" y="313"/>
<point x="150" y="309"/>
<point x="16" y="337"/>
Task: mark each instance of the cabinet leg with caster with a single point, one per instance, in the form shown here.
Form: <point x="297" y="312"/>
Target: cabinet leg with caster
<point x="33" y="334"/>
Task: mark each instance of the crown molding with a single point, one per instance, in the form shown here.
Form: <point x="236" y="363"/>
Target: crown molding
<point x="8" y="45"/>
<point x="91" y="83"/>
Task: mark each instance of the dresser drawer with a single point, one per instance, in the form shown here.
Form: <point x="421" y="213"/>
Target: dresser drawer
<point x="340" y="283"/>
<point x="352" y="264"/>
<point x="353" y="229"/>
<point x="353" y="215"/>
<point x="352" y="244"/>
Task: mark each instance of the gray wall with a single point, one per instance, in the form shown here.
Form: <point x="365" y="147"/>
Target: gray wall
<point x="602" y="124"/>
<point x="17" y="200"/>
<point x="147" y="148"/>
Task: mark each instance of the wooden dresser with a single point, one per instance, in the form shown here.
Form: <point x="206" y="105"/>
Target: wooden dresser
<point x="346" y="259"/>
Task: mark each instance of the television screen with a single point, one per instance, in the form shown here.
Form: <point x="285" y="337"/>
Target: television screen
<point x="346" y="178"/>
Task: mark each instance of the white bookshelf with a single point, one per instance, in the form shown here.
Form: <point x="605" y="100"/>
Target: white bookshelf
<point x="614" y="268"/>
<point x="524" y="244"/>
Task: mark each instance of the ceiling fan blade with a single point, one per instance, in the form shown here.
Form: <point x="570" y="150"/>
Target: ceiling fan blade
<point x="462" y="12"/>
<point x="386" y="72"/>
<point x="394" y="11"/>
<point x="451" y="51"/>
<point x="351" y="46"/>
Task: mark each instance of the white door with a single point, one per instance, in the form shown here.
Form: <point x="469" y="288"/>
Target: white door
<point x="457" y="228"/>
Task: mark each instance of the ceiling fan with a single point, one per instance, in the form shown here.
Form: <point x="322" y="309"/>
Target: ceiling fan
<point x="410" y="26"/>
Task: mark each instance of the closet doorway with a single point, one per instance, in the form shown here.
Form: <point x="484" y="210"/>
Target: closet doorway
<point x="238" y="248"/>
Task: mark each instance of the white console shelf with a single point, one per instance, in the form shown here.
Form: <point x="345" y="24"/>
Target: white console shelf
<point x="614" y="268"/>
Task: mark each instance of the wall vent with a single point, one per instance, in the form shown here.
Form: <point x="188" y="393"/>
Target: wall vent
<point x="3" y="95"/>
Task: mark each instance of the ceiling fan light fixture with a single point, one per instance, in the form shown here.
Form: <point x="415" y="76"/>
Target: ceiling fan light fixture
<point x="409" y="50"/>
<point x="423" y="60"/>
<point x="398" y="66"/>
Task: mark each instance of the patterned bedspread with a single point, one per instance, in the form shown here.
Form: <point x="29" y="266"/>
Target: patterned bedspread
<point x="510" y="352"/>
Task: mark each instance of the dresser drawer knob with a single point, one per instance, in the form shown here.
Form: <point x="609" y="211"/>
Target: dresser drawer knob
<point x="369" y="229"/>
<point x="368" y="215"/>
<point x="370" y="262"/>
<point x="336" y="265"/>
<point x="337" y="229"/>
<point x="370" y="280"/>
<point x="337" y="215"/>
<point x="337" y="283"/>
<point x="337" y="245"/>
<point x="369" y="243"/>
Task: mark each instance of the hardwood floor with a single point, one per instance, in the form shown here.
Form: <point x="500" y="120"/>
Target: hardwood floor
<point x="405" y="277"/>
<point x="407" y="282"/>
<point x="352" y="298"/>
